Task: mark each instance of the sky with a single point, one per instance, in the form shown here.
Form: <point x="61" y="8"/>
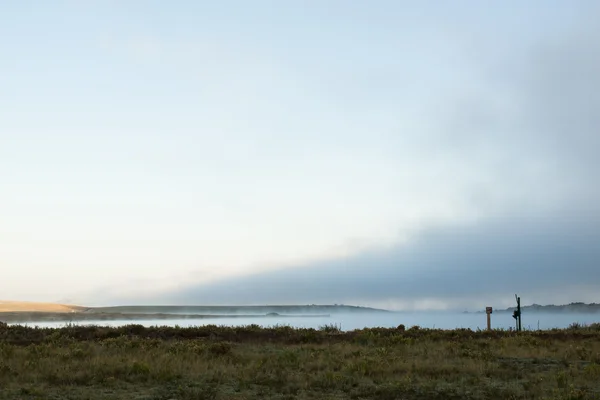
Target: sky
<point x="401" y="154"/>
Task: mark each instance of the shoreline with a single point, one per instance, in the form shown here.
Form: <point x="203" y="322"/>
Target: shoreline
<point x="34" y="316"/>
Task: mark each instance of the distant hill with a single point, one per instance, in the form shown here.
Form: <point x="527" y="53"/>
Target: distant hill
<point x="19" y="312"/>
<point x="33" y="307"/>
<point x="224" y="310"/>
<point x="565" y="308"/>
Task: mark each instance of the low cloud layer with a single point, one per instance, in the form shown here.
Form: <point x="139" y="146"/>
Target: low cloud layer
<point x="533" y="132"/>
<point x="543" y="259"/>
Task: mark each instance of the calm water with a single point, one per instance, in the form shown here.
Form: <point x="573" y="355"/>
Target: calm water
<point x="356" y="321"/>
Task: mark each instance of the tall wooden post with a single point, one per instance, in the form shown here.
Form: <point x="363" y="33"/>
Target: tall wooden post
<point x="488" y="311"/>
<point x="517" y="313"/>
<point x="519" y="310"/>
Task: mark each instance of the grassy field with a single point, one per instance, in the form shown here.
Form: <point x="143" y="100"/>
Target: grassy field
<point x="213" y="362"/>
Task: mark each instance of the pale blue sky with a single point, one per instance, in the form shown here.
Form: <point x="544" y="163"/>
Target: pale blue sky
<point x="146" y="145"/>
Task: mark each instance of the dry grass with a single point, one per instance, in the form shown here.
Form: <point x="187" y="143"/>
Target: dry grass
<point x="26" y="306"/>
<point x="284" y="363"/>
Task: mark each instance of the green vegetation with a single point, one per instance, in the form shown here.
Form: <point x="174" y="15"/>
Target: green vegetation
<point x="210" y="362"/>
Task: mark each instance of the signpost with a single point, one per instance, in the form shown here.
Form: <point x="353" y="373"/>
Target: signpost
<point x="488" y="311"/>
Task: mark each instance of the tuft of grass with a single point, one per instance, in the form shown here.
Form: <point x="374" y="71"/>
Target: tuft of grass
<point x="331" y="328"/>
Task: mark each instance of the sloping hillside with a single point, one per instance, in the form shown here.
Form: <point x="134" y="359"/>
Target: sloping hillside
<point x="26" y="306"/>
<point x="234" y="310"/>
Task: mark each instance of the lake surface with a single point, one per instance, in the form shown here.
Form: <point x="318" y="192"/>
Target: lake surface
<point x="351" y="321"/>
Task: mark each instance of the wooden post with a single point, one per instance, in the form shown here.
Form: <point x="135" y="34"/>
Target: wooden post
<point x="488" y="311"/>
<point x="519" y="308"/>
<point x="517" y="313"/>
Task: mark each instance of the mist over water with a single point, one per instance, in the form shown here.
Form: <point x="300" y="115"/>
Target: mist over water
<point x="347" y="322"/>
